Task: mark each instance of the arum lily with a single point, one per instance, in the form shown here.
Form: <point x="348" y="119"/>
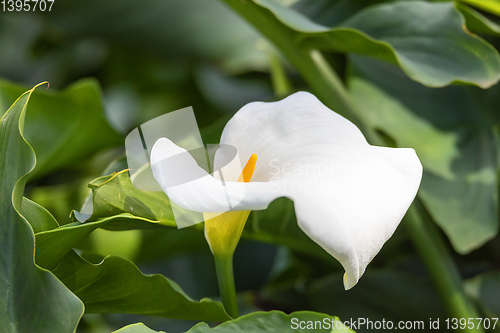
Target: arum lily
<point x="349" y="196"/>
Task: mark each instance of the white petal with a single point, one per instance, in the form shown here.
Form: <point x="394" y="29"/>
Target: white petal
<point x="355" y="212"/>
<point x="349" y="196"/>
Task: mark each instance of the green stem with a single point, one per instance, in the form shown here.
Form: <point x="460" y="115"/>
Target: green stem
<point x="281" y="84"/>
<point x="440" y="264"/>
<point x="225" y="277"/>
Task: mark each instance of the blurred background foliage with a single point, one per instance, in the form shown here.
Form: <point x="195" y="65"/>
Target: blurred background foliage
<point x="119" y="63"/>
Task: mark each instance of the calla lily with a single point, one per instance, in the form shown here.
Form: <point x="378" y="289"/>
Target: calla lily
<point x="349" y="196"/>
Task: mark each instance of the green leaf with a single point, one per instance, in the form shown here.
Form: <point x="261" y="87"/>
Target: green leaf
<point x="136" y="328"/>
<point x="485" y="289"/>
<point x="64" y="127"/>
<point x="331" y="12"/>
<point x="387" y="32"/>
<point x="476" y="22"/>
<point x="437" y="50"/>
<point x="117" y="206"/>
<point x="32" y="212"/>
<point x="53" y="245"/>
<point x="275" y="321"/>
<point x="451" y="130"/>
<point x="492" y="6"/>
<point x="33" y="299"/>
<point x="117" y="286"/>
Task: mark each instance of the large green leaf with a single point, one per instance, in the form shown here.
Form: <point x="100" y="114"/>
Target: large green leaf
<point x="32" y="299"/>
<point x="331" y="12"/>
<point x="276" y="321"/>
<point x="117" y="286"/>
<point x="334" y="12"/>
<point x="436" y="51"/>
<point x="64" y="127"/>
<point x="451" y="130"/>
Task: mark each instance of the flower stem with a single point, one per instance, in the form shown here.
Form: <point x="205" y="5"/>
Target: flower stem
<point x="281" y="84"/>
<point x="225" y="277"/>
<point x="440" y="264"/>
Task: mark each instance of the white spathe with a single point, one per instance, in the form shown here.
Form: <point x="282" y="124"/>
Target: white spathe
<point x="349" y="196"/>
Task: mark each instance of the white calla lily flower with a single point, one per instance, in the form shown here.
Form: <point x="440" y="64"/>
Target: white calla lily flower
<point x="349" y="196"/>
